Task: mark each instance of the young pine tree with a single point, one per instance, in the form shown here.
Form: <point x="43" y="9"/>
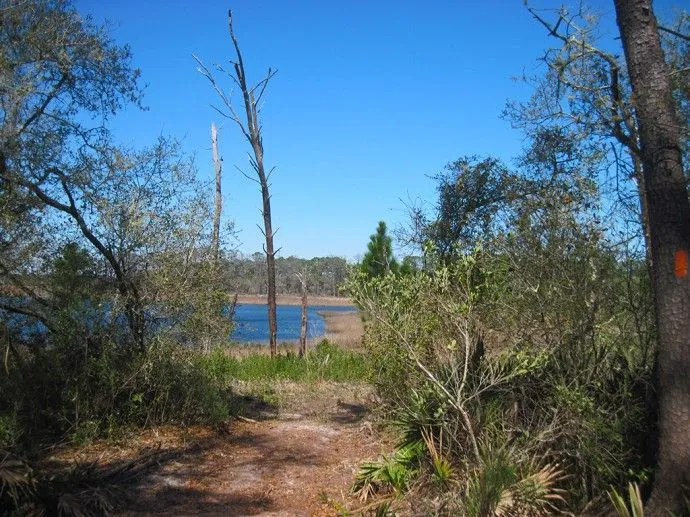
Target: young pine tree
<point x="379" y="259"/>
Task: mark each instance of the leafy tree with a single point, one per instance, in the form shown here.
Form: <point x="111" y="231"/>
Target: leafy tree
<point x="379" y="260"/>
<point x="586" y="92"/>
<point x="63" y="180"/>
<point x="410" y="265"/>
<point x="61" y="73"/>
<point x="73" y="273"/>
<point x="473" y="193"/>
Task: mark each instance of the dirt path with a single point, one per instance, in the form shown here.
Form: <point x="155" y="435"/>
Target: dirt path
<point x="278" y="467"/>
<point x="296" y="458"/>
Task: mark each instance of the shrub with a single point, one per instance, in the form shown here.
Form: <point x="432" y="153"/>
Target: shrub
<point x="99" y="387"/>
<point x="467" y="350"/>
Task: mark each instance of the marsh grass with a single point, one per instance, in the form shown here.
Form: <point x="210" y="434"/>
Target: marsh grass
<point x="326" y="362"/>
<point x="344" y="328"/>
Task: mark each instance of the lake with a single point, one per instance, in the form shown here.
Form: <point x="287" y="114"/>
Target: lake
<point x="251" y="321"/>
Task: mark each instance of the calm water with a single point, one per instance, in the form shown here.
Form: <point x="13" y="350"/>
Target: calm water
<point x="251" y="321"/>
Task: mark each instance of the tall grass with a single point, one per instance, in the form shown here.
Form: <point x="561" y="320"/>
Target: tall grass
<point x="327" y="362"/>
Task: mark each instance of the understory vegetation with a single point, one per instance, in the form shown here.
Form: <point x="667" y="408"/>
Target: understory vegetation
<point x="518" y="359"/>
<point x="73" y="394"/>
<point x="519" y="387"/>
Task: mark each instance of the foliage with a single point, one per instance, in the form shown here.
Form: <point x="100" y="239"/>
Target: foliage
<point x="379" y="260"/>
<point x="136" y="217"/>
<point x="538" y="341"/>
<point x="99" y="389"/>
<point x="396" y="471"/>
<point x="633" y="507"/>
<point x="473" y="195"/>
<point x="326" y="362"/>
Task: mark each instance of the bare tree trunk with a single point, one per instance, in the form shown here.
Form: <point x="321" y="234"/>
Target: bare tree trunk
<point x="251" y="129"/>
<point x="254" y="137"/>
<point x="218" y="207"/>
<point x="303" y="327"/>
<point x="669" y="228"/>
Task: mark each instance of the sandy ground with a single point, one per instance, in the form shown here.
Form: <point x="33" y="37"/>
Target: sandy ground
<point x="298" y="457"/>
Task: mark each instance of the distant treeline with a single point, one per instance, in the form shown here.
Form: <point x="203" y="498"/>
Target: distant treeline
<point x="247" y="274"/>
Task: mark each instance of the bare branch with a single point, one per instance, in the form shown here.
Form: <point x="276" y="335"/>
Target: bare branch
<point x="41" y="109"/>
<point x="674" y="32"/>
<point x="263" y="83"/>
<point x="203" y="70"/>
<point x="27" y="312"/>
<point x="247" y="175"/>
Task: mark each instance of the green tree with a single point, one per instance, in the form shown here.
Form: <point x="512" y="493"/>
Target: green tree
<point x="379" y="259"/>
<point x="61" y="73"/>
<point x="141" y="213"/>
<point x="473" y="194"/>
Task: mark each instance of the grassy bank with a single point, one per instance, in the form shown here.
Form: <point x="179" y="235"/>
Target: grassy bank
<point x="326" y="362"/>
<point x="344" y="328"/>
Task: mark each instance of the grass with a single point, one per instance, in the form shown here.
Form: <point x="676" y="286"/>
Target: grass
<point x="326" y="362"/>
<point x="344" y="328"/>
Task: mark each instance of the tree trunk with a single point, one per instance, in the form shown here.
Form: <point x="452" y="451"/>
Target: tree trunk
<point x="644" y="208"/>
<point x="303" y="326"/>
<point x="669" y="229"/>
<point x="252" y="132"/>
<point x="218" y="207"/>
<point x="270" y="263"/>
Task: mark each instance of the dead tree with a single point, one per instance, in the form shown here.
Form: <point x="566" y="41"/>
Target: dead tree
<point x="303" y="327"/>
<point x="251" y="129"/>
<point x="218" y="207"/>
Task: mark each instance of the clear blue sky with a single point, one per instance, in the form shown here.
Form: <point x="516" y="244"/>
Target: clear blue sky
<point x="371" y="97"/>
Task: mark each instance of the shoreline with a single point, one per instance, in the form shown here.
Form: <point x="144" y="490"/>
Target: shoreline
<point x="295" y="299"/>
<point x="342" y="328"/>
<point x="345" y="329"/>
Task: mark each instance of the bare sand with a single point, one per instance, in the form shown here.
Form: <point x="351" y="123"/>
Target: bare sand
<point x="295" y="457"/>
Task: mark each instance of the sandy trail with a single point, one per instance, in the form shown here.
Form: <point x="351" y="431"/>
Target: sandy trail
<point x="277" y="467"/>
<point x="296" y="457"/>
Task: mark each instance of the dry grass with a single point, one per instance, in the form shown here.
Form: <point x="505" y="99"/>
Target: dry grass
<point x="344" y="328"/>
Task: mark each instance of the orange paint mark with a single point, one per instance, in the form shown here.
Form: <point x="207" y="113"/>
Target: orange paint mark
<point x="681" y="263"/>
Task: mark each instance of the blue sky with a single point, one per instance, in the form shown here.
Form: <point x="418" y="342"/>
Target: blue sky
<point x="370" y="99"/>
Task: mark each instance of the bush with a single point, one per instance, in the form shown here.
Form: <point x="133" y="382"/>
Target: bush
<point x="99" y="387"/>
<point x="456" y="356"/>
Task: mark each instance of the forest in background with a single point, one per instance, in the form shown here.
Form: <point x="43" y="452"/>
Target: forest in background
<point x="247" y="275"/>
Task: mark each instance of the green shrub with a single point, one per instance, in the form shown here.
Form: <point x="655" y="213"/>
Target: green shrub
<point x="472" y="351"/>
<point x="99" y="387"/>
